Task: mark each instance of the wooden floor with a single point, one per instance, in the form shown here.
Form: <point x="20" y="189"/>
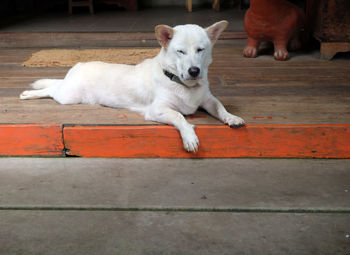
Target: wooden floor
<point x="303" y="90"/>
<point x="305" y="101"/>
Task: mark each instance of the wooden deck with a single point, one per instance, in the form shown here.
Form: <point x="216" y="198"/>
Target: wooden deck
<point x="290" y="97"/>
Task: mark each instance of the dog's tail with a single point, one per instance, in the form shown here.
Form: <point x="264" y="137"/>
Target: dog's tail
<point x="45" y="83"/>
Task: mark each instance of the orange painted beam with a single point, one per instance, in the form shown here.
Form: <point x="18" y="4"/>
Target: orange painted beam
<point x="287" y="141"/>
<point x="31" y="139"/>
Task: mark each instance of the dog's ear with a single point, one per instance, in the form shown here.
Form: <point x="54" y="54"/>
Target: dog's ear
<point x="215" y="30"/>
<point x="164" y="34"/>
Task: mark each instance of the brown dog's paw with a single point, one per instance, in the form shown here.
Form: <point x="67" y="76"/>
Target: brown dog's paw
<point x="250" y="52"/>
<point x="281" y="55"/>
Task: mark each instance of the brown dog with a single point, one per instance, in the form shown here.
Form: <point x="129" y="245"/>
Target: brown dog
<point x="278" y="21"/>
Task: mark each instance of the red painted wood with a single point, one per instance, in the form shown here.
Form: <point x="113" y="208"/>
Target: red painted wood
<point x="304" y="141"/>
<point x="31" y="139"/>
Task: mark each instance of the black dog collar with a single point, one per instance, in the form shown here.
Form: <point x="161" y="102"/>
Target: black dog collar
<point x="174" y="78"/>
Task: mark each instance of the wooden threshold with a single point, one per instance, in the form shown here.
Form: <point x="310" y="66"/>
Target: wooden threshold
<point x="31" y="140"/>
<point x="154" y="141"/>
<point x="280" y="141"/>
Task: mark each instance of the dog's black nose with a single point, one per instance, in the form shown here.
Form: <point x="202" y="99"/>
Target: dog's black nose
<point x="194" y="71"/>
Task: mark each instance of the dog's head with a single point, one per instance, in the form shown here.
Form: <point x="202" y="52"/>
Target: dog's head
<point x="188" y="49"/>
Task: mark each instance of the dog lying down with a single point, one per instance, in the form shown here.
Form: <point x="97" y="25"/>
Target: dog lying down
<point x="163" y="88"/>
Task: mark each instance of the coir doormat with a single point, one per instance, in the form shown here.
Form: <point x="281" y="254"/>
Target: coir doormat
<point x="66" y="57"/>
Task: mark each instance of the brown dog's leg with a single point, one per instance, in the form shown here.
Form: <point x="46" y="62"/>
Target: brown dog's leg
<point x="281" y="52"/>
<point x="251" y="50"/>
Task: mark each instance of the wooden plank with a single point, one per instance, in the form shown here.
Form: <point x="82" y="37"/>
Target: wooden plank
<point x="33" y="73"/>
<point x="278" y="109"/>
<point x="31" y="139"/>
<point x="88" y="39"/>
<point x="282" y="81"/>
<point x="15" y="82"/>
<point x="15" y="56"/>
<point x="305" y="141"/>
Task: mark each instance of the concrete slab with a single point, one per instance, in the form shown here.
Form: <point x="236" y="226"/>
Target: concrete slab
<point x="264" y="184"/>
<point x="38" y="232"/>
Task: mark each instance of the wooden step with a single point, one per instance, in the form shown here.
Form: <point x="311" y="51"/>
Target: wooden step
<point x="154" y="141"/>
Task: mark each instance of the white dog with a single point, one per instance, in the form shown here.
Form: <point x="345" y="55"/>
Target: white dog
<point x="163" y="88"/>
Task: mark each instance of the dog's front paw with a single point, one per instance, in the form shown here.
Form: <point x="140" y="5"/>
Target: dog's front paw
<point x="190" y="140"/>
<point x="191" y="144"/>
<point x="234" y="121"/>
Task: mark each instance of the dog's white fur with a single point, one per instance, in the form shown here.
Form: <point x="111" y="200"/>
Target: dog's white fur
<point x="145" y="88"/>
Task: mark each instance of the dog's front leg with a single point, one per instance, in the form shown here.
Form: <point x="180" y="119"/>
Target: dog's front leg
<point x="169" y="116"/>
<point x="214" y="107"/>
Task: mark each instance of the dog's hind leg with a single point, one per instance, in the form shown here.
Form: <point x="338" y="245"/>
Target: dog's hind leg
<point x="34" y="94"/>
<point x="42" y="88"/>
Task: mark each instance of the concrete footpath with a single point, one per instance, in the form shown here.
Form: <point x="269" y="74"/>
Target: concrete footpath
<point x="174" y="206"/>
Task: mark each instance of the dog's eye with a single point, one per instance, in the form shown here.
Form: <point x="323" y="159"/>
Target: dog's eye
<point x="199" y="50"/>
<point x="181" y="52"/>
